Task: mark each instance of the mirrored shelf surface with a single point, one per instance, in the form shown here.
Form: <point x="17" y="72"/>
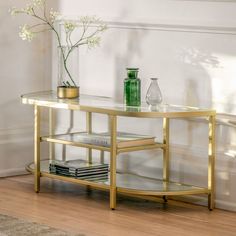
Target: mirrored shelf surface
<point x="108" y="106"/>
<point x="130" y="183"/>
<point x="83" y="139"/>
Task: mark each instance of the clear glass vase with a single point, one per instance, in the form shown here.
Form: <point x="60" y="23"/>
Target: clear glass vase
<point x="132" y="88"/>
<point x="68" y="72"/>
<point x="68" y="66"/>
<point x="154" y="96"/>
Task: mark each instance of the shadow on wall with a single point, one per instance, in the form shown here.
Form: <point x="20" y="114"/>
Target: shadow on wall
<point x="126" y="48"/>
<point x="198" y="83"/>
<point x="127" y="53"/>
<point x="199" y="93"/>
<point x="130" y="42"/>
<point x="198" y="88"/>
<point x="123" y="61"/>
<point x="195" y="57"/>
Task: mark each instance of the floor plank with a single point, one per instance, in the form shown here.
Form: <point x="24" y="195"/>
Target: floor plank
<point x="71" y="207"/>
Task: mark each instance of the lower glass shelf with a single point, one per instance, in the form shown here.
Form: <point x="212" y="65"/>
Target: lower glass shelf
<point x="128" y="183"/>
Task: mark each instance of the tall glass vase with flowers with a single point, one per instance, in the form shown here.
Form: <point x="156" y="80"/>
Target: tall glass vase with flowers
<point x="89" y="33"/>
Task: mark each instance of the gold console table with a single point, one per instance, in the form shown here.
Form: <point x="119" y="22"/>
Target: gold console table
<point x="119" y="182"/>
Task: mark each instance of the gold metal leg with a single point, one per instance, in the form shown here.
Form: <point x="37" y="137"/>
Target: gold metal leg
<point x="71" y="125"/>
<point x="37" y="148"/>
<point x="166" y="152"/>
<point x="211" y="163"/>
<point x="51" y="132"/>
<point x="89" y="130"/>
<point x="165" y="198"/>
<point x="113" y="130"/>
<point x="166" y="149"/>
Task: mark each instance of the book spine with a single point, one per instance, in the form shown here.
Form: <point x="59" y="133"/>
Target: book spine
<point x="98" y="141"/>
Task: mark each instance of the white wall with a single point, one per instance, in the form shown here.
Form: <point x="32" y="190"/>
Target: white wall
<point x="189" y="45"/>
<point x="24" y="68"/>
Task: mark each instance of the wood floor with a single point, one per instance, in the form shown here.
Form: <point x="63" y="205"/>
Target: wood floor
<point x="72" y="208"/>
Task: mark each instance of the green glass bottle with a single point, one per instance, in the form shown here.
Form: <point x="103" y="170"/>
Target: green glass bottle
<point x="132" y="88"/>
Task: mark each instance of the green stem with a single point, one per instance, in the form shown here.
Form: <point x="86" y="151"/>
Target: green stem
<point x="80" y="42"/>
<point x="68" y="84"/>
<point x="71" y="44"/>
<point x="33" y="26"/>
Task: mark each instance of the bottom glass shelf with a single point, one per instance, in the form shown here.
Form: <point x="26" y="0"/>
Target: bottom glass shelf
<point x="128" y="183"/>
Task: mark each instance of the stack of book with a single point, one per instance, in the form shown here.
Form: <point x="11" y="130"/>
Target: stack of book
<point x="80" y="169"/>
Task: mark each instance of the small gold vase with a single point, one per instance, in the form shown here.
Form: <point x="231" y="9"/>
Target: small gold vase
<point x="67" y="92"/>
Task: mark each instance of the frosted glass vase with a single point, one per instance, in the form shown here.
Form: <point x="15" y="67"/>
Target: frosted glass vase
<point x="154" y="96"/>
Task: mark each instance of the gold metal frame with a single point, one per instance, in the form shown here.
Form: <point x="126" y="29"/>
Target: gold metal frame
<point x="89" y="130"/>
<point x="113" y="130"/>
<point x="114" y="150"/>
<point x="51" y="132"/>
<point x="166" y="149"/>
<point x="37" y="148"/>
<point x="211" y="163"/>
<point x="48" y="99"/>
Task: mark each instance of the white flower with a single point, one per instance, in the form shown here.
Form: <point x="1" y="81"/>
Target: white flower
<point x="69" y="25"/>
<point x="29" y="10"/>
<point x="38" y="3"/>
<point x="53" y="15"/>
<point x="88" y="19"/>
<point x="13" y="11"/>
<point x="93" y="42"/>
<point x="26" y="34"/>
<point x="102" y="27"/>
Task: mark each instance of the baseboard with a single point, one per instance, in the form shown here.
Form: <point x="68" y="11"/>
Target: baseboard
<point x="13" y="172"/>
<point x="229" y="206"/>
<point x="202" y="200"/>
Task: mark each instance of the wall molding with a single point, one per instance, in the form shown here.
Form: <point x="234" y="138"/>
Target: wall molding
<point x="11" y="141"/>
<point x="206" y="1"/>
<point x="173" y="27"/>
<point x="13" y="172"/>
<point x="145" y="24"/>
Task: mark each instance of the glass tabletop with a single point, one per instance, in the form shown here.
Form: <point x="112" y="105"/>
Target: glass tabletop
<point x="107" y="105"/>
